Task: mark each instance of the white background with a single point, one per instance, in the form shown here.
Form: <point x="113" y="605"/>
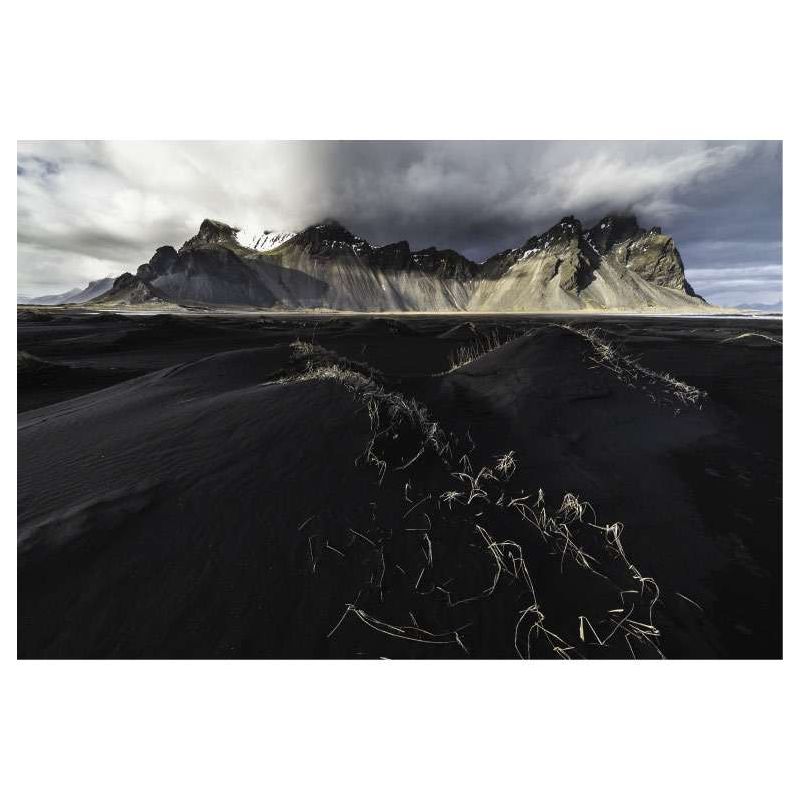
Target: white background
<point x="167" y="70"/>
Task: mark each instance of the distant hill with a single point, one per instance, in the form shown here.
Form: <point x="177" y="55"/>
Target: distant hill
<point x="77" y="295"/>
<point x="776" y="308"/>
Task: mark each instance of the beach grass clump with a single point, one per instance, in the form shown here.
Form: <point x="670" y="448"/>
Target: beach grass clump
<point x="401" y="428"/>
<point x="662" y="387"/>
<point x="478" y="347"/>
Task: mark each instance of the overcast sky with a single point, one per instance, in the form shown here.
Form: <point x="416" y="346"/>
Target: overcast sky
<point x="91" y="209"/>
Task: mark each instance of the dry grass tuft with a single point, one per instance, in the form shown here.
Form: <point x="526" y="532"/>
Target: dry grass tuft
<point x="661" y="387"/>
<point x="480" y="346"/>
<point x="390" y="413"/>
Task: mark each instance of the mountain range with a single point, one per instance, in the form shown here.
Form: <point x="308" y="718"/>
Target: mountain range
<point x="614" y="265"/>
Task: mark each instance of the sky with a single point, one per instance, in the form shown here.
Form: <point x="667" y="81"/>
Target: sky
<point x="86" y="210"/>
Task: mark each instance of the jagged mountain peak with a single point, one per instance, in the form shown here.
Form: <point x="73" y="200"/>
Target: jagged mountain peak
<point x="566" y="227"/>
<point x="125" y="281"/>
<point x="213" y="231"/>
<point x="567" y="230"/>
<point x="129" y="289"/>
<point x="328" y="239"/>
<point x="331" y="223"/>
<point x="330" y="229"/>
<point x="612" y="230"/>
<point x="619" y="220"/>
<point x="570" y="223"/>
<point x="162" y="261"/>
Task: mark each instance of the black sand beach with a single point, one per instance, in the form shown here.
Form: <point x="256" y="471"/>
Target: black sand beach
<point x="301" y="486"/>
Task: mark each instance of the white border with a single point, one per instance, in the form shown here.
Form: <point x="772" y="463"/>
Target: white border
<point x="416" y="70"/>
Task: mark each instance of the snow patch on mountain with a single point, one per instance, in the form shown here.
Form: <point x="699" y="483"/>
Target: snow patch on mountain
<point x="261" y="240"/>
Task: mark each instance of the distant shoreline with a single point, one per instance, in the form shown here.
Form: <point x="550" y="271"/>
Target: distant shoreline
<point x="719" y="313"/>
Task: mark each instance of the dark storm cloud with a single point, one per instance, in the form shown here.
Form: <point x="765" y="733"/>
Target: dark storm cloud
<point x="88" y="209"/>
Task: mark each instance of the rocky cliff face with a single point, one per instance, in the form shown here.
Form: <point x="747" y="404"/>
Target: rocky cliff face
<point x="614" y="265"/>
<point x="650" y="254"/>
<point x="130" y="290"/>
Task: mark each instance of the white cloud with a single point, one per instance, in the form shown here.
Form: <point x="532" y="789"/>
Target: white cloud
<point x="89" y="208"/>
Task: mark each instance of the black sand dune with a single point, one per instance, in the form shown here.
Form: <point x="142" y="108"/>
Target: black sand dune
<point x="41" y="382"/>
<point x="463" y="330"/>
<point x="330" y="487"/>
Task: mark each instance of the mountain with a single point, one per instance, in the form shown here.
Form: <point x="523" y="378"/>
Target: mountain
<point x="53" y="299"/>
<point x="771" y="308"/>
<point x="77" y="295"/>
<point x="614" y="265"/>
<point x="131" y="290"/>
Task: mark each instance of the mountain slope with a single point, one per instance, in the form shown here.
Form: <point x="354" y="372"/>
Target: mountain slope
<point x="212" y="268"/>
<point x="76" y="295"/>
<point x="355" y="275"/>
<point x="129" y="290"/>
<point x="614" y="265"/>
